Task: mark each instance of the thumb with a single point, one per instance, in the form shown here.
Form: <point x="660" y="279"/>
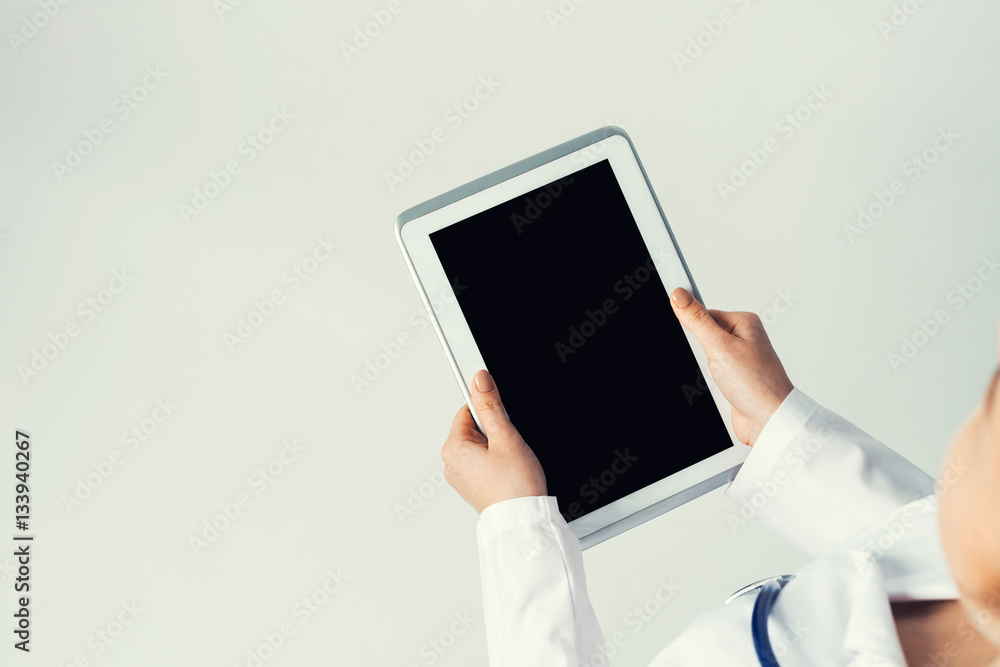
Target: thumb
<point x="695" y="318"/>
<point x="489" y="407"/>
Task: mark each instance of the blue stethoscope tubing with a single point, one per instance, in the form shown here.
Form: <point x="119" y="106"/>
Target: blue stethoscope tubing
<point x="758" y="623"/>
<point x="767" y="594"/>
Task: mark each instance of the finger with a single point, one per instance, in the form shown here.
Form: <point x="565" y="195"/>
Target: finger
<point x="728" y="321"/>
<point x="747" y="326"/>
<point x="695" y="318"/>
<point x="463" y="427"/>
<point x="489" y="407"/>
<point x="463" y="438"/>
<point x="460" y="455"/>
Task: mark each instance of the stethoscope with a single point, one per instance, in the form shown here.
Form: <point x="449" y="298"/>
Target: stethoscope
<point x="767" y="594"/>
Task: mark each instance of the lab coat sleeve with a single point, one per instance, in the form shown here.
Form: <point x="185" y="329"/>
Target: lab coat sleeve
<point x="536" y="608"/>
<point x="817" y="479"/>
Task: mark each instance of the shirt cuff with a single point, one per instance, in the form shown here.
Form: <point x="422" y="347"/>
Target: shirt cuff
<point x="518" y="512"/>
<point x="779" y="431"/>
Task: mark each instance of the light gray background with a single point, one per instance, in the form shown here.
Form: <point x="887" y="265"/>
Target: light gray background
<point x="334" y="507"/>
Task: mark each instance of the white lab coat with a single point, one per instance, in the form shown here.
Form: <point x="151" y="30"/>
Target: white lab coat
<point x="867" y="515"/>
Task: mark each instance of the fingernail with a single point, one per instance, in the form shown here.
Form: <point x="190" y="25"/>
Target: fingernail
<point x="682" y="297"/>
<point x="484" y="382"/>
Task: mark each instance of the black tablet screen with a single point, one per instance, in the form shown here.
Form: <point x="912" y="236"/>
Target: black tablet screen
<point x="571" y="318"/>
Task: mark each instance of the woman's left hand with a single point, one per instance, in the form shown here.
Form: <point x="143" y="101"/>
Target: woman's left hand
<point x="490" y="468"/>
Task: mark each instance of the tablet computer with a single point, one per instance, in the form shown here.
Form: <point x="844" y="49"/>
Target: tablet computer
<point x="554" y="274"/>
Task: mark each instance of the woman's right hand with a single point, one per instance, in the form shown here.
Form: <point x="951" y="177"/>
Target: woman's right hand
<point x="741" y="360"/>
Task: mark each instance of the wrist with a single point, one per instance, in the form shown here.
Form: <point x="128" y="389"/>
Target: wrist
<point x="776" y="398"/>
<point x="749" y="425"/>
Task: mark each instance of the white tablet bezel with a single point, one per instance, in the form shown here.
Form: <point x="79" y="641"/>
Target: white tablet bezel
<point x="413" y="229"/>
